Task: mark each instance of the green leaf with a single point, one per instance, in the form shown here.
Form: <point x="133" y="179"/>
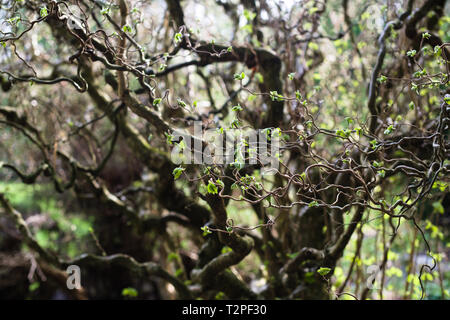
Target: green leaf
<point x="259" y="77"/>
<point x="377" y="164"/>
<point x="129" y="292"/>
<point x="291" y="75"/>
<point x="438" y="50"/>
<point x="343" y="133"/>
<point x="411" y="53"/>
<point x="438" y="207"/>
<point x="157" y="101"/>
<point x="181" y="103"/>
<point x="249" y="15"/>
<point x="437" y="185"/>
<point x="205" y="230"/>
<point x="220" y="183"/>
<point x="382" y="79"/>
<point x="173" y="256"/>
<point x="14" y="20"/>
<point x="105" y="11"/>
<point x="389" y="130"/>
<point x="34" y="286"/>
<point x="237" y="108"/>
<point x="177" y="172"/>
<point x="415" y="87"/>
<point x="411" y="105"/>
<point x="178" y="272"/>
<point x="447" y="99"/>
<point x="426" y="51"/>
<point x="420" y="73"/>
<point x="169" y="138"/>
<point x="374" y="144"/>
<point x="323" y="271"/>
<point x="43" y="12"/>
<point x="212" y="188"/>
<point x="181" y="145"/>
<point x="313" y="46"/>
<point x="292" y="255"/>
<point x="275" y="96"/>
<point x="313" y="204"/>
<point x="235" y="124"/>
<point x="178" y="37"/>
<point x="239" y="76"/>
<point x="220" y="296"/>
<point x="127" y="28"/>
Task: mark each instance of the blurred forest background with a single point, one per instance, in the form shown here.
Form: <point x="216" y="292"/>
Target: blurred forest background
<point x="92" y="91"/>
